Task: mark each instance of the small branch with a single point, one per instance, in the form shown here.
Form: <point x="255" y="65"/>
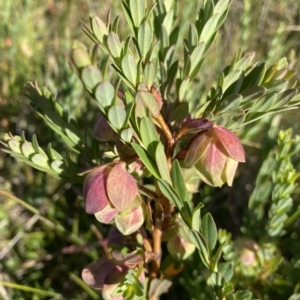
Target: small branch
<point x="101" y="240"/>
<point x="156" y="236"/>
<point x="171" y="141"/>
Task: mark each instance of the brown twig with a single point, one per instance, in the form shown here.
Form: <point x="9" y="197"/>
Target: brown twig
<point x="156" y="236"/>
<point x="171" y="141"/>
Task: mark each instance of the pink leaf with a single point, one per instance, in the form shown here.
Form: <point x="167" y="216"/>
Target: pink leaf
<point x="121" y="187"/>
<point x="231" y="143"/>
<point x="95" y="273"/>
<point x="107" y="214"/>
<point x="94" y="190"/>
<point x="130" y="220"/>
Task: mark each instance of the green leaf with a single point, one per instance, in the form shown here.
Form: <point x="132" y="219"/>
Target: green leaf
<point x="221" y="6"/>
<point x="162" y="163"/>
<point x="183" y="88"/>
<point x="217" y="279"/>
<point x="146" y="159"/>
<point x="129" y="68"/>
<point x="230" y="79"/>
<point x="284" y="98"/>
<point x="149" y="135"/>
<point x="199" y="241"/>
<point x="209" y="230"/>
<point x="98" y="26"/>
<point x="226" y="270"/>
<point x="170" y="193"/>
<point x="105" y="94"/>
<point x="144" y="38"/>
<point x="209" y="29"/>
<point x="27" y="149"/>
<point x="91" y="76"/>
<point x="196" y="58"/>
<point x="117" y="116"/>
<point x="168" y="22"/>
<point x="149" y="73"/>
<point x="114" y="44"/>
<point x="196" y="218"/>
<point x="178" y="181"/>
<point x="137" y="9"/>
<point x="243" y="295"/>
<point x="275" y="85"/>
<point x="193" y="36"/>
<point x="126" y="135"/>
<point x="255" y="76"/>
<point x="252" y="93"/>
<point x="58" y="166"/>
<point x="150" y="102"/>
<point x="40" y="160"/>
<point x="15" y="146"/>
<point x="231" y="102"/>
<point x="128" y="17"/>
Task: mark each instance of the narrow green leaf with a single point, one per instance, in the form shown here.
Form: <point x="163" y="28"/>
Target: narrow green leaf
<point x="149" y="135"/>
<point x="144" y="38"/>
<point x="146" y="159"/>
<point x="231" y="102"/>
<point x="193" y="36"/>
<point x="196" y="57"/>
<point x="196" y="218"/>
<point x="230" y="79"/>
<point x="137" y="9"/>
<point x="149" y="73"/>
<point x="162" y="163"/>
<point x="252" y="93"/>
<point x="129" y="68"/>
<point x="183" y="88"/>
<point x="199" y="241"/>
<point x="209" y="230"/>
<point x="114" y="44"/>
<point x="168" y="22"/>
<point x="170" y="193"/>
<point x="221" y="6"/>
<point x="209" y="29"/>
<point x="27" y="149"/>
<point x="128" y="17"/>
<point x="117" y="116"/>
<point x="178" y="181"/>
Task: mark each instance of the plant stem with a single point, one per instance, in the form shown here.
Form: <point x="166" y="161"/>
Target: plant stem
<point x="156" y="236"/>
<point x="171" y="141"/>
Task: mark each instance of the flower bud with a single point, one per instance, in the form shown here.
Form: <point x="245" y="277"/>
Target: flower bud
<point x="215" y="154"/>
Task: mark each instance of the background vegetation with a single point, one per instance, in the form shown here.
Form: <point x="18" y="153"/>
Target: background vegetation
<point x="46" y="238"/>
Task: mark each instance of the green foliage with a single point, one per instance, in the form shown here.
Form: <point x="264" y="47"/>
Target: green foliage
<point x="161" y="140"/>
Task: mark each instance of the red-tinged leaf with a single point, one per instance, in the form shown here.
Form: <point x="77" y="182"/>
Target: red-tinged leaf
<point x="94" y="190"/>
<point x="107" y="214"/>
<point x="121" y="187"/>
<point x="196" y="149"/>
<point x="95" y="273"/>
<point x="231" y="143"/>
<point x="130" y="220"/>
